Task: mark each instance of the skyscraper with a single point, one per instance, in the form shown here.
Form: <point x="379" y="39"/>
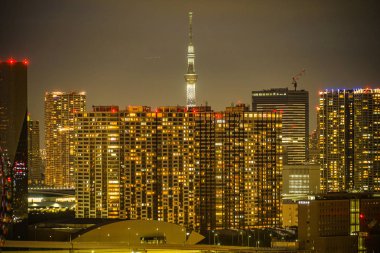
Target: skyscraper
<point x="13" y="148"/>
<point x="367" y="140"/>
<point x="60" y="108"/>
<point x="99" y="179"/>
<point x="248" y="155"/>
<point x="175" y="165"/>
<point x="190" y="76"/>
<point x="34" y="157"/>
<point x="136" y="164"/>
<point x="294" y="105"/>
<point x="335" y="118"/>
<point x="349" y="134"/>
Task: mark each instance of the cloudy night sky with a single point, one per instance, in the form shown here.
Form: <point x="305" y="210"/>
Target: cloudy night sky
<point x="134" y="52"/>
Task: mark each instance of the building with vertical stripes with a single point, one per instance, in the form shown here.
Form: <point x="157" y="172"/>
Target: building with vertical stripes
<point x="294" y="105"/>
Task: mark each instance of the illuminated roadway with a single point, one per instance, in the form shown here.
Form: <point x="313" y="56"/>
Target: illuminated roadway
<point x="94" y="247"/>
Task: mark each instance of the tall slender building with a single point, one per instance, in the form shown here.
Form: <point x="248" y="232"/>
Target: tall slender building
<point x="139" y="144"/>
<point x="294" y="105"/>
<point x="13" y="149"/>
<point x="336" y="135"/>
<point x="99" y="182"/>
<point x="248" y="155"/>
<point x="60" y="108"/>
<point x="367" y="140"/>
<point x="190" y="76"/>
<point x="34" y="157"/>
<point x="349" y="140"/>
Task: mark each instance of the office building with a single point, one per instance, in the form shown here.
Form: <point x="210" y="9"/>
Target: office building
<point x="349" y="133"/>
<point x="339" y="222"/>
<point x="294" y="105"/>
<point x="34" y="157"/>
<point x="13" y="148"/>
<point x="60" y="108"/>
<point x="301" y="179"/>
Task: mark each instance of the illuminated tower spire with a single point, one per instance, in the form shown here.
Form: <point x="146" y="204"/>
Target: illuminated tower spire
<point x="190" y="76"/>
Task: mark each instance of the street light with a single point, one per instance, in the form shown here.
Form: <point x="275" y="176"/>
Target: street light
<point x="249" y="237"/>
<point x="129" y="236"/>
<point x="183" y="231"/>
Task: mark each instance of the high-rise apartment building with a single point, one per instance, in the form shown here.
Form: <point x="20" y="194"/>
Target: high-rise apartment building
<point x="13" y="149"/>
<point x="140" y="162"/>
<point x="349" y="134"/>
<point x="148" y="155"/>
<point x="175" y="165"/>
<point x="366" y="124"/>
<point x="294" y="105"/>
<point x="197" y="168"/>
<point x="336" y="140"/>
<point x="99" y="187"/>
<point x="60" y="108"/>
<point x="34" y="157"/>
<point x="248" y="156"/>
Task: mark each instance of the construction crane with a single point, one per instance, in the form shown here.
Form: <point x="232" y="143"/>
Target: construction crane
<point x="296" y="77"/>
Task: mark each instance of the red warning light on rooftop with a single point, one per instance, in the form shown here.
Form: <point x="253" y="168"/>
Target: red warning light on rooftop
<point x="12" y="61"/>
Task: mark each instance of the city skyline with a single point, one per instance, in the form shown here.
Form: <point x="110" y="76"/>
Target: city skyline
<point x="204" y="114"/>
<point x="239" y="45"/>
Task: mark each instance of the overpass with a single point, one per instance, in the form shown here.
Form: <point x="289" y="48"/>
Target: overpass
<point x="123" y="247"/>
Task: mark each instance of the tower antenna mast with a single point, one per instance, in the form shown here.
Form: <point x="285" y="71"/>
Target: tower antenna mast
<point x="190" y="77"/>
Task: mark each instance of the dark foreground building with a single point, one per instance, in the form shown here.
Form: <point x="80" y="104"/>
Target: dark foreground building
<point x="13" y="149"/>
<point x="340" y="222"/>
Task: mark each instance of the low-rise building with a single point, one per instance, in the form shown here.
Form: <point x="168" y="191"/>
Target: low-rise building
<point x="341" y="222"/>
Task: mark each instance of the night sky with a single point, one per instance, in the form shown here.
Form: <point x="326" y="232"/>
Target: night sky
<point x="134" y="52"/>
